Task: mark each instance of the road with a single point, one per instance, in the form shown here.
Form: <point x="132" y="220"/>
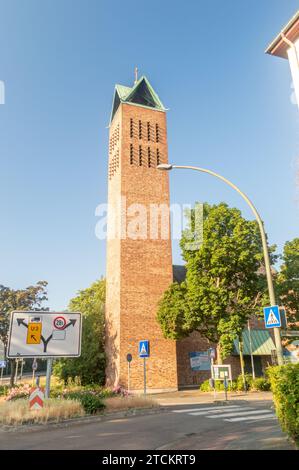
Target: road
<point x="240" y="425"/>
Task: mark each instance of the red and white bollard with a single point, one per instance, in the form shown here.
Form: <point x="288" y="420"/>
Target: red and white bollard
<point x="36" y="398"/>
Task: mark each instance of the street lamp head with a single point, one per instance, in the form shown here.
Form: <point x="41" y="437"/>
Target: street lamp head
<point x="164" y="167"/>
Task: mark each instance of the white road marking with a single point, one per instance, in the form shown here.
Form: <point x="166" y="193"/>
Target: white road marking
<point x="210" y="408"/>
<point x="241" y="413"/>
<point x="252" y="418"/>
<point x="219" y="412"/>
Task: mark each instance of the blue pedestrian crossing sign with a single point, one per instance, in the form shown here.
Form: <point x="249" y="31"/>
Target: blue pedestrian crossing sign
<point x="272" y="317"/>
<point x="143" y="348"/>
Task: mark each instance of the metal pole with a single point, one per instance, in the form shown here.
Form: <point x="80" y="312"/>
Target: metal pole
<point x="264" y="243"/>
<point x="242" y="365"/>
<point x="16" y="371"/>
<point x="250" y="347"/>
<point x="48" y="378"/>
<point x="2" y="374"/>
<point x="212" y="376"/>
<point x="144" y="375"/>
<point x="128" y="377"/>
<point x="22" y="365"/>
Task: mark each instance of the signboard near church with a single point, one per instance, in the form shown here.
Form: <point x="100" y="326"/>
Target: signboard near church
<point x="200" y="360"/>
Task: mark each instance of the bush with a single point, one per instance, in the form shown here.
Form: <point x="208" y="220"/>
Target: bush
<point x="89" y="368"/>
<point x="205" y="386"/>
<point x="4" y="390"/>
<point x="90" y="400"/>
<point x="15" y="393"/>
<point x="261" y="384"/>
<point x="285" y="387"/>
<point x="240" y="383"/>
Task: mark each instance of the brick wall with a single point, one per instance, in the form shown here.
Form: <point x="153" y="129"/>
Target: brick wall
<point x="139" y="270"/>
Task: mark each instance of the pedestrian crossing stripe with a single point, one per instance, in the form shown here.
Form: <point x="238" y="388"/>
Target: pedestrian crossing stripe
<point x="230" y="413"/>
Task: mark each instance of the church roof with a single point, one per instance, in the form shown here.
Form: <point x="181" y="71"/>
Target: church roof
<point x="141" y="94"/>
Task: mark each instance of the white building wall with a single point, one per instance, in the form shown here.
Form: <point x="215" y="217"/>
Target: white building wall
<point x="293" y="55"/>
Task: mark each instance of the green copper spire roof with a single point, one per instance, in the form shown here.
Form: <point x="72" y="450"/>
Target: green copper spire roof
<point x="141" y="94"/>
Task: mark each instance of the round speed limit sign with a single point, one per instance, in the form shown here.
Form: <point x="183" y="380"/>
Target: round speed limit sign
<point x="59" y="323"/>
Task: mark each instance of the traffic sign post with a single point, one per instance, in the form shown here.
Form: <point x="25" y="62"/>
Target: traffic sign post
<point x="34" y="369"/>
<point x="48" y="377"/>
<point x="143" y="352"/>
<point x="225" y="383"/>
<point x="129" y="360"/>
<point x="212" y="354"/>
<point x="2" y="367"/>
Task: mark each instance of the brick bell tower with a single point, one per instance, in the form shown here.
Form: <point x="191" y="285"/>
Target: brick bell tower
<point x="139" y="262"/>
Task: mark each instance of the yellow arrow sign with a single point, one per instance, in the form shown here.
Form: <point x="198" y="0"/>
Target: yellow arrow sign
<point x="34" y="333"/>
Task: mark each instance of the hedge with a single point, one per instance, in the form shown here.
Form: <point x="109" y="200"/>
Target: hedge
<point x="285" y="387"/>
<point x="261" y="384"/>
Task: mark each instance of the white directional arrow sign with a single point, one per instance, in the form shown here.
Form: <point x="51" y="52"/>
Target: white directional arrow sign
<point x="44" y="334"/>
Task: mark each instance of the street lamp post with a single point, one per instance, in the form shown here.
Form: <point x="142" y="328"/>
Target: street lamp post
<point x="168" y="167"/>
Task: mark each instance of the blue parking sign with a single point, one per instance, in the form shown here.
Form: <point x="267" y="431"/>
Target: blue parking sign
<point x="143" y="348"/>
<point x="272" y="317"/>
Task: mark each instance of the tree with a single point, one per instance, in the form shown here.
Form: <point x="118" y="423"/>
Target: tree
<point x="90" y="366"/>
<point x="30" y="298"/>
<point x="288" y="281"/>
<point x="224" y="284"/>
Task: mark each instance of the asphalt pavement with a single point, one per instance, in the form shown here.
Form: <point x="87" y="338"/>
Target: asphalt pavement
<point x="241" y="424"/>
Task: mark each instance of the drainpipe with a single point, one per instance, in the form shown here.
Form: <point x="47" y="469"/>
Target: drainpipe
<point x="291" y="44"/>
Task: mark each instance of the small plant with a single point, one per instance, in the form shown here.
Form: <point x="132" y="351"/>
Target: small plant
<point x="118" y="390"/>
<point x="261" y="384"/>
<point x="90" y="400"/>
<point x="219" y="386"/>
<point x="240" y="382"/>
<point x="17" y="393"/>
<point x="4" y="390"/>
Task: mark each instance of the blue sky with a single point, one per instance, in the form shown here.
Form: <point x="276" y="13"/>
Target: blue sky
<point x="230" y="111"/>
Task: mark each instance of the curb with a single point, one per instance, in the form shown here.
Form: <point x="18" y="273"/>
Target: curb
<point x="85" y="419"/>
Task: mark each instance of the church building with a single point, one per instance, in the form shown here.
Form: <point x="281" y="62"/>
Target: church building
<point x="139" y="259"/>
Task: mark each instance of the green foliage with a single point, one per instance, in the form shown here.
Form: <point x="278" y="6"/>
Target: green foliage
<point x="285" y="387"/>
<point x="91" y="401"/>
<point x="240" y="382"/>
<point x="261" y="384"/>
<point x="288" y="280"/>
<point x="59" y="391"/>
<point x="4" y="389"/>
<point x="205" y="386"/>
<point x="171" y="313"/>
<point x="30" y="298"/>
<point x="89" y="368"/>
<point x="224" y="284"/>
